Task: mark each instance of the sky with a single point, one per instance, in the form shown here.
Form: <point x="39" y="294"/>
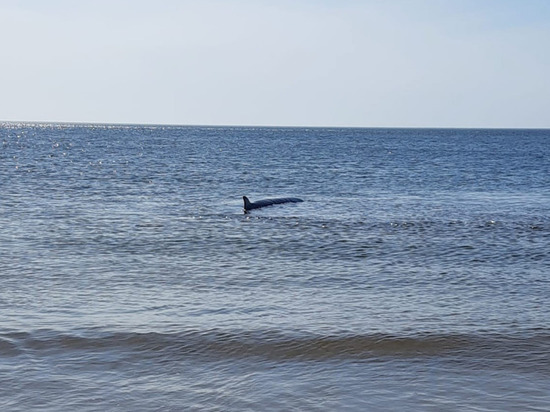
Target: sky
<point x="337" y="63"/>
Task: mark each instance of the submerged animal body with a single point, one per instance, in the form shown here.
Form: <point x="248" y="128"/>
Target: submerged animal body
<point x="248" y="205"/>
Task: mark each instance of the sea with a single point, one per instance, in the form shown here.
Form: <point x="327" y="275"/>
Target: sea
<point x="414" y="276"/>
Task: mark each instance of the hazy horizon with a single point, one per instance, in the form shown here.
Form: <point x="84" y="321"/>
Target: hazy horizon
<point x="252" y="126"/>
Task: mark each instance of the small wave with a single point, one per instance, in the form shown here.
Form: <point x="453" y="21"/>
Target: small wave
<point x="8" y="347"/>
<point x="216" y="345"/>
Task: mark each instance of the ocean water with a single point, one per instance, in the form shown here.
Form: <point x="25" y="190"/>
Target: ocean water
<point x="414" y="276"/>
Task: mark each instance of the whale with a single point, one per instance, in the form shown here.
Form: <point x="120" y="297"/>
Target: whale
<point x="248" y="205"/>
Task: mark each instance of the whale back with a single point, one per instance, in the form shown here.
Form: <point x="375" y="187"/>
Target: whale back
<point x="248" y="205"/>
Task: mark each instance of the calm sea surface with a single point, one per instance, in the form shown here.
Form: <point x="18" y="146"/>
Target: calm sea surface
<point x="414" y="276"/>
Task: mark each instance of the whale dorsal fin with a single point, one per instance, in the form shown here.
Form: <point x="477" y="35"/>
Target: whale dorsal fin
<point x="247" y="203"/>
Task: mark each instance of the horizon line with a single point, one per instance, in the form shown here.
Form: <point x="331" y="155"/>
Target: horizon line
<point x="267" y="126"/>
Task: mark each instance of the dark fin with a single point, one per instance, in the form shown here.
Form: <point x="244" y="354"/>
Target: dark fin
<point x="247" y="203"/>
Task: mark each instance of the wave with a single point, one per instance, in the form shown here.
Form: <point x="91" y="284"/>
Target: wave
<point x="531" y="347"/>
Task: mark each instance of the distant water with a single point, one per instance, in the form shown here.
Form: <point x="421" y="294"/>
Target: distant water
<point x="414" y="276"/>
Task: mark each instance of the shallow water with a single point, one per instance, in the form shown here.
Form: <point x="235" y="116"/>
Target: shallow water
<point x="414" y="276"/>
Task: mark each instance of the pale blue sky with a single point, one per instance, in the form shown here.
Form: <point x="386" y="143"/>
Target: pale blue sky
<point x="402" y="63"/>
